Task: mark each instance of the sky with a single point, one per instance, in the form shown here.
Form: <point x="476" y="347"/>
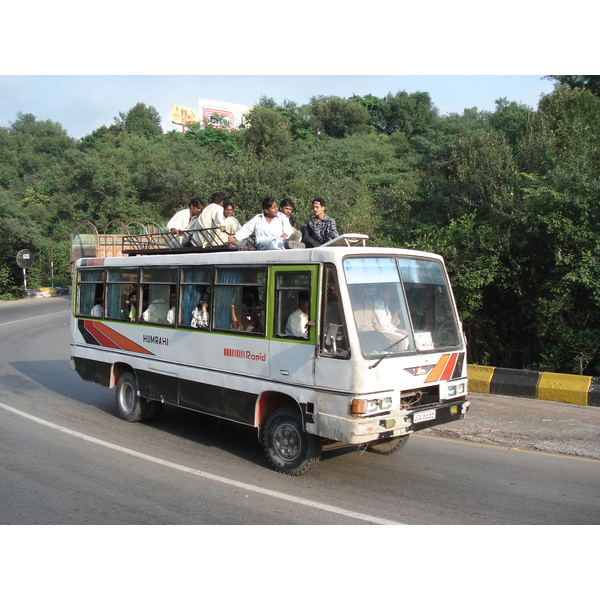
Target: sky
<point x="83" y="103"/>
<point x="81" y="65"/>
<point x="81" y="69"/>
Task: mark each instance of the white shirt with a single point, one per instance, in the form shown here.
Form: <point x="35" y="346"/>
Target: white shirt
<point x="383" y="316"/>
<point x="264" y="231"/>
<point x="211" y="216"/>
<point x="156" y="312"/>
<point x="232" y="226"/>
<point x="179" y="220"/>
<point x="297" y="324"/>
<point x="171" y="316"/>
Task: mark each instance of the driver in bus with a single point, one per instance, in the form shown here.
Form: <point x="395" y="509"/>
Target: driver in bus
<point x="297" y="323"/>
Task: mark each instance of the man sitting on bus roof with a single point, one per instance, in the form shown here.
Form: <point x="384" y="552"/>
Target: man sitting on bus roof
<point x="180" y="221"/>
<point x="271" y="229"/>
<point x="211" y="221"/>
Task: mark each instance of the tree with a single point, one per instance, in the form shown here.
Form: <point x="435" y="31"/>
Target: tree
<point x="337" y="117"/>
<point x="268" y="134"/>
<point x="412" y="114"/>
<point x="217" y="138"/>
<point x="140" y="120"/>
<point x="510" y="119"/>
<point x="589" y="82"/>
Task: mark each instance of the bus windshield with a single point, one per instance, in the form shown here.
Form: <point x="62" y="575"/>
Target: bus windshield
<point x="400" y="305"/>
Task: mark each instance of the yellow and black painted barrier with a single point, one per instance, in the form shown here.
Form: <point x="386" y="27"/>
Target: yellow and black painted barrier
<point x="559" y="387"/>
<point x="46" y="292"/>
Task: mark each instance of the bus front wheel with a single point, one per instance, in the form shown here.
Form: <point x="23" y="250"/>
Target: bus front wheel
<point x="288" y="447"/>
<point x="386" y="447"/>
<point x="130" y="406"/>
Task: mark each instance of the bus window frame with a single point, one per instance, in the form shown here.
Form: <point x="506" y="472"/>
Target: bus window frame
<point x="88" y="283"/>
<point x="313" y="271"/>
<point x="224" y="306"/>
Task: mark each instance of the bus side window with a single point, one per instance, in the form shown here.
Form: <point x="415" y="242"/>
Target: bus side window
<point x="157" y="299"/>
<point x="120" y="284"/>
<point x="335" y="335"/>
<point x="292" y="304"/>
<point x="195" y="297"/>
<point x="159" y="296"/>
<point x="240" y="299"/>
<point x="90" y="290"/>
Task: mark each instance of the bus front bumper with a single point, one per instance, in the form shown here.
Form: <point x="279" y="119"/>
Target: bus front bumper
<point x="360" y="430"/>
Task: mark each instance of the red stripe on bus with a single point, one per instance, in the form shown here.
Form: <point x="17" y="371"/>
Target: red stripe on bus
<point x="101" y="338"/>
<point x="447" y="374"/>
<point x="438" y="369"/>
<point x="122" y="342"/>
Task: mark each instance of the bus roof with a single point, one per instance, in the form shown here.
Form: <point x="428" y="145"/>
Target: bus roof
<point x="316" y="255"/>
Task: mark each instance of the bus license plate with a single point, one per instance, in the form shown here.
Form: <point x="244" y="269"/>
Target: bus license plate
<point x="425" y="415"/>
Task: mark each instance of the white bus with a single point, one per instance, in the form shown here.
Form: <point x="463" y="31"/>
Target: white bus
<point x="317" y="348"/>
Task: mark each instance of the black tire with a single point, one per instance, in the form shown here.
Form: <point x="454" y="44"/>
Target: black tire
<point x="288" y="447"/>
<point x="130" y="407"/>
<point x="154" y="409"/>
<point x="386" y="447"/>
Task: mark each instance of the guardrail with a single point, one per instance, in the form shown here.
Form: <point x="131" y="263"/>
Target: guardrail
<point x="45" y="292"/>
<point x="558" y="387"/>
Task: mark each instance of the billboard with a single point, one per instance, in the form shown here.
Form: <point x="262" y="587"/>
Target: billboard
<point x="223" y="115"/>
<point x="182" y="115"/>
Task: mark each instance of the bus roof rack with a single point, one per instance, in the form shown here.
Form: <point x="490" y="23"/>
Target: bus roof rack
<point x="348" y="239"/>
<point x="192" y="240"/>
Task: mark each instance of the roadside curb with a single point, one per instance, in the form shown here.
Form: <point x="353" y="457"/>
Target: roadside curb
<point x="47" y="291"/>
<point x="557" y="387"/>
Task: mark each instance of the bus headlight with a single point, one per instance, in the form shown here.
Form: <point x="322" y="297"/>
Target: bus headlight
<point x="362" y="406"/>
<point x="385" y="403"/>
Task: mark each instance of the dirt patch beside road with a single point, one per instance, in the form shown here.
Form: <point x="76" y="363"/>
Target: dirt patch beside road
<point x="528" y="424"/>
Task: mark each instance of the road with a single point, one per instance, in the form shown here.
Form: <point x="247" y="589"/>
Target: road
<point x="65" y="458"/>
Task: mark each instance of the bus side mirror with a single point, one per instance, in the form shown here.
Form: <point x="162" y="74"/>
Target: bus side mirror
<point x="331" y="336"/>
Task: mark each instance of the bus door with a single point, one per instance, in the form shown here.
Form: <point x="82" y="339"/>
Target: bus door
<point x="293" y="320"/>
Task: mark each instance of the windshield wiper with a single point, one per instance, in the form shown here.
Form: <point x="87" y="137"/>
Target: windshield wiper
<point x="388" y="350"/>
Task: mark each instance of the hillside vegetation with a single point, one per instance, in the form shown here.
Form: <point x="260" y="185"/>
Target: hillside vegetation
<point x="510" y="198"/>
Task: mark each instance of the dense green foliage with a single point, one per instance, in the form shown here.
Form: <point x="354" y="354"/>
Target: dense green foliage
<point x="510" y="198"/>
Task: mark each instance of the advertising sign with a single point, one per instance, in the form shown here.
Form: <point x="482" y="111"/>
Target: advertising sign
<point x="183" y="115"/>
<point x="223" y="115"/>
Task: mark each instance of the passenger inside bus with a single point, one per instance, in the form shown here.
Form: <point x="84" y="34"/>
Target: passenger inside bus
<point x="172" y="307"/>
<point x="200" y="313"/>
<point x="297" y="323"/>
<point x="158" y="308"/>
<point x="132" y="301"/>
<point x="98" y="309"/>
<point x="249" y="315"/>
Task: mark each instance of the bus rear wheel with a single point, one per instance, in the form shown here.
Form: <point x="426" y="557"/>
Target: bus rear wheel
<point x="130" y="406"/>
<point x="288" y="447"/>
<point x="386" y="447"/>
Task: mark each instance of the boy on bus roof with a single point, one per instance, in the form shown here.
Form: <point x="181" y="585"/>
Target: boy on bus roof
<point x="271" y="229"/>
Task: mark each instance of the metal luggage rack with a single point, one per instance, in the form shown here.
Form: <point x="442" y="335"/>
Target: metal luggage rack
<point x="191" y="240"/>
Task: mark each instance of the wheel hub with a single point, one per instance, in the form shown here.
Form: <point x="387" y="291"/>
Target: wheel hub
<point x="286" y="441"/>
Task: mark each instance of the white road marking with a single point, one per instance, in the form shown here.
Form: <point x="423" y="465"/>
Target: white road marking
<point x="36" y="317"/>
<point x="232" y="482"/>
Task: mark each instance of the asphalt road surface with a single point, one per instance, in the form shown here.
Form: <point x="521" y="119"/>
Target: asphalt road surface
<point x="66" y="458"/>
